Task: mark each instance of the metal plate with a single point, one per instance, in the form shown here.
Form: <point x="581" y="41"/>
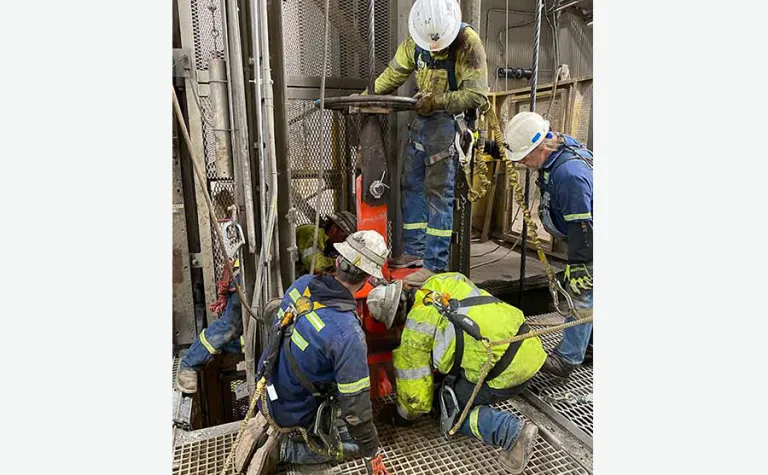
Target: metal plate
<point x="577" y="418"/>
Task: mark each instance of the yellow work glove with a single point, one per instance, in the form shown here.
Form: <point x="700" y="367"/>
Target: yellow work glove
<point x="426" y="104"/>
<point x="578" y="278"/>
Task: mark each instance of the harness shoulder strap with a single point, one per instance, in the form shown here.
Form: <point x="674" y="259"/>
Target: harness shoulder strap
<point x="458" y="353"/>
<point x="508" y="356"/>
<point x="304" y="380"/>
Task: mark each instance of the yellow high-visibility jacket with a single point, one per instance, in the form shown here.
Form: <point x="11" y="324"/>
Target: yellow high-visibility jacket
<point x="429" y="340"/>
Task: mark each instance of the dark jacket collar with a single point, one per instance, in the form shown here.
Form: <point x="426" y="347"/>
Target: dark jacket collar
<point x="330" y="292"/>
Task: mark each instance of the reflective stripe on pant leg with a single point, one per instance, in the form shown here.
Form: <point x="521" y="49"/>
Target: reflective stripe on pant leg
<point x="207" y="345"/>
<point x="414" y="204"/>
<point x="496" y="428"/>
<point x="473" y="423"/>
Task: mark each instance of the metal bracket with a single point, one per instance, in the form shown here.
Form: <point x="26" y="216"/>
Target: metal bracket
<point x="180" y="63"/>
<point x="194" y="260"/>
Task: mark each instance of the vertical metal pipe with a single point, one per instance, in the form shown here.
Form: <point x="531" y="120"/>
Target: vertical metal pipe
<point x="240" y="140"/>
<point x="276" y="53"/>
<point x="259" y="141"/>
<point x="221" y="124"/>
<point x="534" y="80"/>
<point x="371" y="47"/>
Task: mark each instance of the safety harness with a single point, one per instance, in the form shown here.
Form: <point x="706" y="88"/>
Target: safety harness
<point x="449" y="406"/>
<point x="544" y="182"/>
<point x="324" y="427"/>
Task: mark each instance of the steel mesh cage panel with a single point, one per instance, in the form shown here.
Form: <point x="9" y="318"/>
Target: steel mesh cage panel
<point x="316" y="142"/>
<point x="303" y="30"/>
<point x="239" y="406"/>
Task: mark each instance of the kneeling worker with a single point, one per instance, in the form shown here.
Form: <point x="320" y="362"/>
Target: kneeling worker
<point x="332" y="231"/>
<point x="431" y="342"/>
<point x="321" y="362"/>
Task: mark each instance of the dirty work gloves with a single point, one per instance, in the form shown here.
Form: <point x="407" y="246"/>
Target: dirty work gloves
<point x="426" y="104"/>
<point x="578" y="278"/>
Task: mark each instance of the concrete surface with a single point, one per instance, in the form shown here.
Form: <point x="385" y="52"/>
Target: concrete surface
<point x="506" y="268"/>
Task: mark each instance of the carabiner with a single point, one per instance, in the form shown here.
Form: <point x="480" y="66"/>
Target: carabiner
<point x="558" y="288"/>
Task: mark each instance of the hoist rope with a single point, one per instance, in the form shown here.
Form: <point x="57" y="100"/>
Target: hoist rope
<point x="323" y="139"/>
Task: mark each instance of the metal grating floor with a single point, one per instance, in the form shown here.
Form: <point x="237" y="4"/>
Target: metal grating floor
<point x="422" y="449"/>
<point x="204" y="456"/>
<point x="577" y="417"/>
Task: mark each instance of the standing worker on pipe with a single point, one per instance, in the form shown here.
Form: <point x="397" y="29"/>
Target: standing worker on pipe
<point x="322" y="363"/>
<point x="431" y="340"/>
<point x="452" y="77"/>
<point x="565" y="183"/>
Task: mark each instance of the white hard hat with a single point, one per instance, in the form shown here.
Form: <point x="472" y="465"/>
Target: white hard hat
<point x="524" y="133"/>
<point x="434" y="24"/>
<point x="383" y="302"/>
<point x="365" y="250"/>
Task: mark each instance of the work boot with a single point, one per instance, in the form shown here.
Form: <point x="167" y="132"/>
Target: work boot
<point x="588" y="355"/>
<point x="557" y="366"/>
<point x="405" y="260"/>
<point x="418" y="278"/>
<point x="516" y="458"/>
<point x="186" y="380"/>
<point x="264" y="461"/>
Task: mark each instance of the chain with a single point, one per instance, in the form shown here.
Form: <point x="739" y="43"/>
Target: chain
<point x="212" y="7"/>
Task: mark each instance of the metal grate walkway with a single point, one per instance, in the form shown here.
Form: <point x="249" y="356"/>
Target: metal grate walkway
<point x="546" y="392"/>
<point x="420" y="449"/>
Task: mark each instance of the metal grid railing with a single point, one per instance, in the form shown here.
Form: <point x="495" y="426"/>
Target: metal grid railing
<point x="545" y="390"/>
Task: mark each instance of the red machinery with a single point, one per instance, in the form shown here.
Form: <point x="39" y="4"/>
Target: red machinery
<point x="380" y="341"/>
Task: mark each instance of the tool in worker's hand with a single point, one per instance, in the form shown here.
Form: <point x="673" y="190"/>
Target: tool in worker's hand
<point x="376" y="466"/>
<point x="449" y="307"/>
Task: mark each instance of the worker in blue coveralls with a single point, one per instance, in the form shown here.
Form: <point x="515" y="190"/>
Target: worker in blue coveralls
<point x="565" y="183"/>
<point x="322" y="361"/>
<point x="452" y="77"/>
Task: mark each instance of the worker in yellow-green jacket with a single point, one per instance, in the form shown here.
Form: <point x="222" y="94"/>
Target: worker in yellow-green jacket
<point x="434" y="340"/>
<point x="333" y="230"/>
<point x="448" y="60"/>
